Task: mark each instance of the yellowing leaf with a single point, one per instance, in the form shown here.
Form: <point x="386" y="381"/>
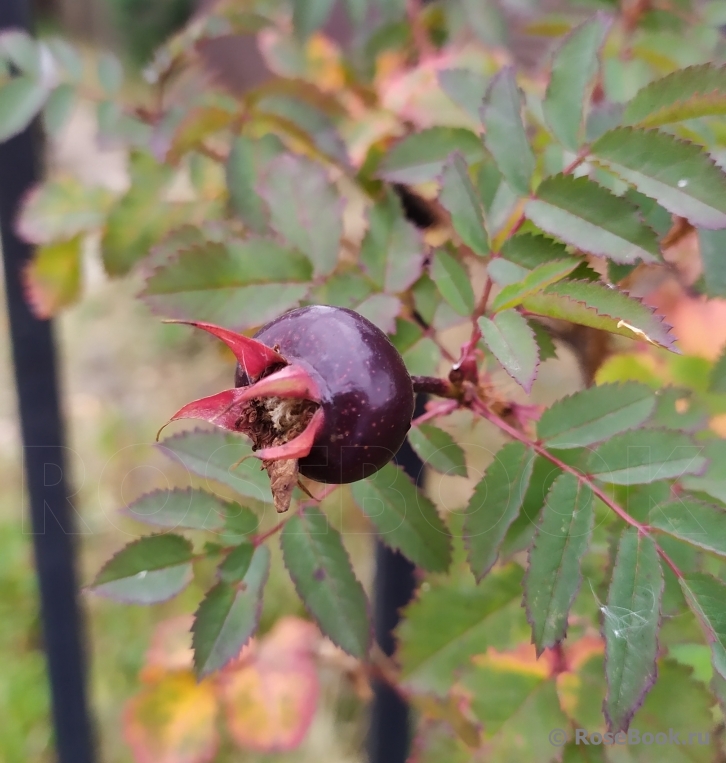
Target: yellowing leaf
<point x="271" y="697"/>
<point x="173" y="720"/>
<point x="52" y="279"/>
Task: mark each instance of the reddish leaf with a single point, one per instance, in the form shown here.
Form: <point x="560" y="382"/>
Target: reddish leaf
<point x="271" y="695"/>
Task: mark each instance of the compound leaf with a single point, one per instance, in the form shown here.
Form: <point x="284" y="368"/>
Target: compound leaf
<point x="420" y="157"/>
<point x="646" y="455"/>
<point x="594" y="304"/>
<point x="512" y="342"/>
<point x="588" y="216"/>
<point x="697" y="91"/>
<point x="505" y="136"/>
<point x="149" y="570"/>
<point x="573" y="69"/>
<point x="192" y="509"/>
<point x="392" y="252"/>
<point x="630" y="625"/>
<point x="405" y="518"/>
<point x="437" y="449"/>
<point x="212" y="454"/>
<point x="705" y="596"/>
<point x="238" y="285"/>
<point x="679" y="175"/>
<point x="495" y="504"/>
<point x="553" y="576"/>
<point x="453" y="282"/>
<point x="460" y="200"/>
<point x="452" y="621"/>
<point x="595" y="414"/>
<point x="319" y="566"/>
<point x="305" y="209"/>
<point x="697" y="523"/>
<point x="535" y="281"/>
<point x="228" y="616"/>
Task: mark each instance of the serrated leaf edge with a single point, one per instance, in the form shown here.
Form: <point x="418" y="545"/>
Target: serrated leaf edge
<point x="369" y="617"/>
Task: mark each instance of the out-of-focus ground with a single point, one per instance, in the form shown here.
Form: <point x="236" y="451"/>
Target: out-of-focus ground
<point x="123" y="373"/>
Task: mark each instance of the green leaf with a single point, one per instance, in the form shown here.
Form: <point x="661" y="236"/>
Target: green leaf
<point x="553" y="577"/>
<point x="67" y="56"/>
<point x="237" y="563"/>
<point x="305" y="209"/>
<point x="705" y="596"/>
<point x="535" y="281"/>
<point x="246" y="163"/>
<point x="420" y="157"/>
<point x="149" y="570"/>
<point x="460" y="200"/>
<point x="110" y="73"/>
<point x="697" y="91"/>
<point x="573" y="69"/>
<point x="437" y="449"/>
<point x="392" y="252"/>
<point x="712" y="245"/>
<point x="450" y="622"/>
<point x="697" y="523"/>
<point x="505" y="136"/>
<point x="303" y="121"/>
<point x="319" y="566"/>
<point x="20" y="49"/>
<point x="243" y="284"/>
<point x="511" y="341"/>
<point x="630" y="625"/>
<point x="713" y="480"/>
<point x="530" y="250"/>
<point x="687" y="720"/>
<point x="406" y="520"/>
<point x="545" y="342"/>
<point x="495" y="504"/>
<point x="453" y="281"/>
<point x="595" y="414"/>
<point x="58" y="108"/>
<point x="52" y="279"/>
<point x="309" y="16"/>
<point x="521" y="532"/>
<point x="20" y="101"/>
<point x="381" y="309"/>
<point x="191" y="508"/>
<point x="679" y="175"/>
<point x="717" y="381"/>
<point x="228" y="616"/>
<point x="588" y="216"/>
<point x="486" y="21"/>
<point x="594" y="304"/>
<point x="517" y="706"/>
<point x="60" y="209"/>
<point x="646" y="455"/>
<point x="466" y="88"/>
<point x="212" y="453"/>
<point x="138" y="219"/>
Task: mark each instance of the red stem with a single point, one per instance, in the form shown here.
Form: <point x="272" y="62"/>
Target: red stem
<point x="442" y="409"/>
<point x="482" y="410"/>
<point x="258" y="540"/>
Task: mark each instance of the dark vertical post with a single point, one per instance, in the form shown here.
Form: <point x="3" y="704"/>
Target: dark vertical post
<point x="389" y="735"/>
<point x="52" y="527"/>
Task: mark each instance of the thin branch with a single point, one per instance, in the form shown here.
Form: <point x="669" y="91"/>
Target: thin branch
<point x="258" y="540"/>
<point x="442" y="409"/>
<point x="584" y="479"/>
<point x="432" y="385"/>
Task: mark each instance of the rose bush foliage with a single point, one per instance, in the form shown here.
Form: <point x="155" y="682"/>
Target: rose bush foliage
<point x="425" y="177"/>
